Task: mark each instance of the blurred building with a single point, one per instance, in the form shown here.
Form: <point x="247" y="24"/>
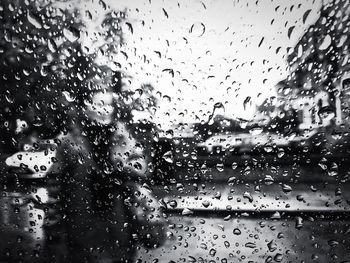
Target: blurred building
<point x="318" y="85"/>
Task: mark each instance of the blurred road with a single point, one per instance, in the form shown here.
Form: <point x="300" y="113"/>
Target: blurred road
<point x="213" y="238"/>
<point x="215" y="214"/>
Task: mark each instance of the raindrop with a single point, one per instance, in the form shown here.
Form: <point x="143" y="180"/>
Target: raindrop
<point x="243" y="123"/>
<point x="278" y="257"/>
<point x="326" y="43"/>
<point x="197" y="29"/>
<point x="290" y="31"/>
<point x="250" y="245"/>
<point x="276" y="215"/>
<point x="298" y="222"/>
<point x="212" y="252"/>
<point x="268" y="180"/>
<point x="237" y="231"/>
<point x="173" y="204"/>
<point x="187" y="211"/>
<point x="268" y="259"/>
<point x="103" y="4"/>
<point x="256" y="131"/>
<point x="34" y="20"/>
<point x="272" y="246"/>
<point x="234" y="165"/>
<point x="246" y="101"/>
<point x="71" y="33"/>
<point x="286" y="188"/>
<point x="130" y="28"/>
<point x="168" y="157"/>
<point x="280" y="153"/>
<point x="203" y="246"/>
<point x="52" y="45"/>
<point x="268" y="148"/>
<point x="306" y="14"/>
<point x="191" y="259"/>
<point x="217" y="195"/>
<point x="333" y="243"/>
<point x="206" y="203"/>
<point x="165" y="13"/>
<point x="248" y="196"/>
<point x="220" y="167"/>
<point x="68" y="96"/>
<point x="261" y="41"/>
<point x="204" y="169"/>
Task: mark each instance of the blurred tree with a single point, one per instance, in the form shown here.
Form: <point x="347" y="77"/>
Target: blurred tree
<point x="47" y="48"/>
<point x="220" y="124"/>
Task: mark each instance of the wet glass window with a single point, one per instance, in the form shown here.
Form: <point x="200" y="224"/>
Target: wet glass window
<point x="174" y="131"/>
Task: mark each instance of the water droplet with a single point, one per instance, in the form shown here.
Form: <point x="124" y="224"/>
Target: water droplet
<point x="52" y="45"/>
<point x="280" y="153"/>
<point x="204" y="169"/>
<point x="203" y="246"/>
<point x="197" y="29"/>
<point x="268" y="148"/>
<point x="237" y="231"/>
<point x="268" y="180"/>
<point x="298" y="222"/>
<point x="234" y="165"/>
<point x="256" y="131"/>
<point x="247" y="101"/>
<point x="333" y="243"/>
<point x="286" y="188"/>
<point x="68" y="96"/>
<point x="272" y="246"/>
<point x="173" y="204"/>
<point x="168" y="157"/>
<point x="71" y="33"/>
<point x="278" y="257"/>
<point x="250" y="245"/>
<point x="276" y="215"/>
<point x="206" y="203"/>
<point x="220" y="167"/>
<point x="326" y="42"/>
<point x="212" y="252"/>
<point x="187" y="211"/>
<point x="34" y="20"/>
<point x="290" y="31"/>
<point x="217" y="195"/>
<point x="248" y="196"/>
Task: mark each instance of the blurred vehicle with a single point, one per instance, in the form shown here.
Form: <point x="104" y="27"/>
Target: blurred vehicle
<point x="241" y="143"/>
<point x="330" y="140"/>
<point x="34" y="161"/>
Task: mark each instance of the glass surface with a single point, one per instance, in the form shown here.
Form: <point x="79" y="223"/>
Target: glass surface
<point x="174" y="131"/>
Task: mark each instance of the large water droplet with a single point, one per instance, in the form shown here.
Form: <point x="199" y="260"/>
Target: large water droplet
<point x="68" y="96"/>
<point x="168" y="157"/>
<point x="187" y="211"/>
<point x="34" y="20"/>
<point x="326" y="43"/>
<point x="197" y="29"/>
<point x="71" y="33"/>
<point x="52" y="45"/>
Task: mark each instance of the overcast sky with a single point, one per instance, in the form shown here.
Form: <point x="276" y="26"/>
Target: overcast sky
<point x="220" y="51"/>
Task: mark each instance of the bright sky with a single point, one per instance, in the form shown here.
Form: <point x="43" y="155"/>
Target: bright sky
<point x="213" y="49"/>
